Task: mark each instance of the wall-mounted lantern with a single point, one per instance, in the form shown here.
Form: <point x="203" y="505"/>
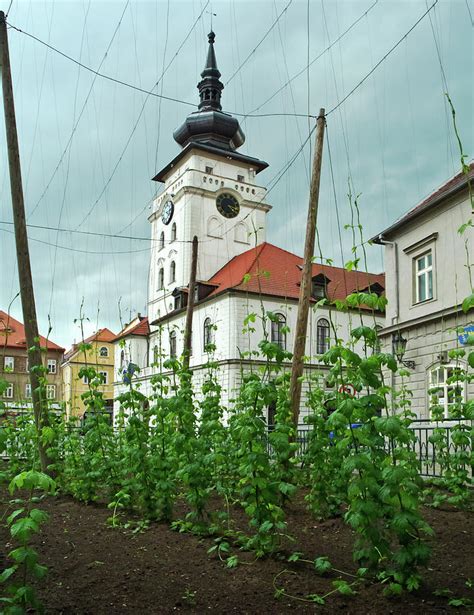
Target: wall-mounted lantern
<point x="399" y="346"/>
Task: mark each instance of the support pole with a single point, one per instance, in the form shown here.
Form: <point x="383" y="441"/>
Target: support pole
<point x="188" y="329"/>
<point x="306" y="274"/>
<point x="21" y="241"/>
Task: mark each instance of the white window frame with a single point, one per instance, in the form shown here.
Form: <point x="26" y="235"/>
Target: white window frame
<point x="278" y="330"/>
<point x="28" y="390"/>
<point x="426" y="273"/>
<point x="104" y="373"/>
<point x="50" y="391"/>
<point x="52" y="366"/>
<point x="323" y="345"/>
<point x="9" y="363"/>
<point x="443" y="398"/>
<point x="8" y="393"/>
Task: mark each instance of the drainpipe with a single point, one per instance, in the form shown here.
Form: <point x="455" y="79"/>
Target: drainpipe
<point x="394" y="246"/>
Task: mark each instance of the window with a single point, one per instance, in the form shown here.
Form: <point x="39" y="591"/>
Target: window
<point x="241" y="234"/>
<point x="27" y="390"/>
<point x="50" y="391"/>
<point x="173" y="232"/>
<point x="319" y="285"/>
<point x="209" y="170"/>
<point x="156" y="355"/>
<point x="178" y="301"/>
<point x="278" y="332"/>
<point x="85" y="379"/>
<point x="214" y="227"/>
<point x="240" y="178"/>
<point x="162" y="240"/>
<point x="9" y="364"/>
<point x="27" y="365"/>
<point x="446" y="388"/>
<point x="208" y="330"/>
<point x="103" y="351"/>
<point x="8" y="393"/>
<point x="105" y="377"/>
<point x="172" y="272"/>
<point x="424" y="277"/>
<point x="122" y="359"/>
<point x="161" y="278"/>
<point x="173" y="344"/>
<point x="52" y="366"/>
<point x="323" y="338"/>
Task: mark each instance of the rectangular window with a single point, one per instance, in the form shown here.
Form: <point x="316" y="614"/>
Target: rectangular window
<point x="9" y="364"/>
<point x="28" y="391"/>
<point x="424" y="277"/>
<point x="446" y="388"/>
<point x="50" y="391"/>
<point x="52" y="366"/>
<point x="209" y="170"/>
<point x="104" y="377"/>
<point x="85" y="380"/>
<point x="27" y="365"/>
<point x="8" y="392"/>
<point x="240" y="178"/>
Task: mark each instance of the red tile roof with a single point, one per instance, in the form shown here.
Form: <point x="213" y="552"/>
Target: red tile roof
<point x="102" y="335"/>
<point x="270" y="270"/>
<point x="12" y="334"/>
<point x="139" y="326"/>
<point x="447" y="189"/>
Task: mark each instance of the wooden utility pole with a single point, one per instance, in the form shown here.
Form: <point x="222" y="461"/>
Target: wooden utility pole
<point x="21" y="240"/>
<point x="306" y="274"/>
<point x="188" y="328"/>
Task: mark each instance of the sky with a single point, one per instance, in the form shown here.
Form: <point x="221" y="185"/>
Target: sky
<point x="90" y="146"/>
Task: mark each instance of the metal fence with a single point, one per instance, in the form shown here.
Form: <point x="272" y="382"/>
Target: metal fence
<point x="429" y="453"/>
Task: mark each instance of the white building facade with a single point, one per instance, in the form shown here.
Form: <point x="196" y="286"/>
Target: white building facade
<point x="211" y="191"/>
<point x="428" y="276"/>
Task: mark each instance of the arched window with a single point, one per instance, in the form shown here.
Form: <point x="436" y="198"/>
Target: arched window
<point x="103" y="351"/>
<point x="446" y="387"/>
<point x="240" y="233"/>
<point x="323" y="337"/>
<point x="172" y="272"/>
<point x="161" y="278"/>
<point x="162" y="240"/>
<point x="156" y="355"/>
<point x="278" y="333"/>
<point x="173" y="231"/>
<point x="214" y="227"/>
<point x="173" y="344"/>
<point x="122" y="359"/>
<point x="208" y="329"/>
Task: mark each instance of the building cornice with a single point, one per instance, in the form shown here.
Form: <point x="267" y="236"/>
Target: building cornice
<point x="413" y="322"/>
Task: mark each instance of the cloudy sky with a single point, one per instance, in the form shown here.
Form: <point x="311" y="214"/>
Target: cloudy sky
<point x="89" y="146"/>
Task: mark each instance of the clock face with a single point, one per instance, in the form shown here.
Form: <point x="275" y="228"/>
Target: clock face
<point x="167" y="212"/>
<point x="227" y="205"/>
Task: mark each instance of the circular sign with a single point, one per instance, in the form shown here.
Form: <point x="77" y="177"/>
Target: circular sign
<point x="348" y="389"/>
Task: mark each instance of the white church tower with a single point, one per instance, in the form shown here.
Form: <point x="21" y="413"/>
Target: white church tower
<point x="210" y="191"/>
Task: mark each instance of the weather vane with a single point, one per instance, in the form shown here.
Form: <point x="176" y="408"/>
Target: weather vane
<point x="212" y="15"/>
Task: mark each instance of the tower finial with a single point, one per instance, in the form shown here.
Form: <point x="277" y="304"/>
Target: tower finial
<point x="210" y="87"/>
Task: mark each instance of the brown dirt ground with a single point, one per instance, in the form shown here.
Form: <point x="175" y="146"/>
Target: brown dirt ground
<point x="94" y="569"/>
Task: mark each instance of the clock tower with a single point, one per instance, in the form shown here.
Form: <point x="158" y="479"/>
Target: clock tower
<point x="209" y="190"/>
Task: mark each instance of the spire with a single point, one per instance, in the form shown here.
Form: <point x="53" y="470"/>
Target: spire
<point x="210" y="87"/>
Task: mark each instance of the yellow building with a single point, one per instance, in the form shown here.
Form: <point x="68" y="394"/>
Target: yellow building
<point x="101" y="357"/>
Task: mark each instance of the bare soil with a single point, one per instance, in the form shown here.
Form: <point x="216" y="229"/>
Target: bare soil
<point x="94" y="569"/>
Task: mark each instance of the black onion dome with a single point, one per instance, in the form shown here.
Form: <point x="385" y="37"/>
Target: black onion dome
<point x="210" y="124"/>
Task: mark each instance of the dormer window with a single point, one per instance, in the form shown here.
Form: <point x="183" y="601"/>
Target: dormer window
<point x="319" y="286"/>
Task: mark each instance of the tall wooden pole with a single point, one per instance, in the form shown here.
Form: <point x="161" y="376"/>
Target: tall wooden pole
<point x="306" y="274"/>
<point x="188" y="328"/>
<point x="21" y="240"/>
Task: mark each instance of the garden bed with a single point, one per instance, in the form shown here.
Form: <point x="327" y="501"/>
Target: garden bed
<point x="96" y="569"/>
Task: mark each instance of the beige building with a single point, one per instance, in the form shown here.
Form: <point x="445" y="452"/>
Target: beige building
<point x="101" y="357"/>
<point x="14" y="367"/>
<point x="427" y="278"/>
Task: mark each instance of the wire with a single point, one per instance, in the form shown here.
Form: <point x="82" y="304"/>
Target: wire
<point x="55" y="245"/>
<point x="150" y="92"/>
<point x="374" y="68"/>
<point x="303" y="70"/>
<point x="9" y="7"/>
<point x="81" y="112"/>
<point x="259" y="43"/>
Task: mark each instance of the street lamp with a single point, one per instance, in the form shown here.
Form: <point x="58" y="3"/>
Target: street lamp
<point x="399" y="345"/>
